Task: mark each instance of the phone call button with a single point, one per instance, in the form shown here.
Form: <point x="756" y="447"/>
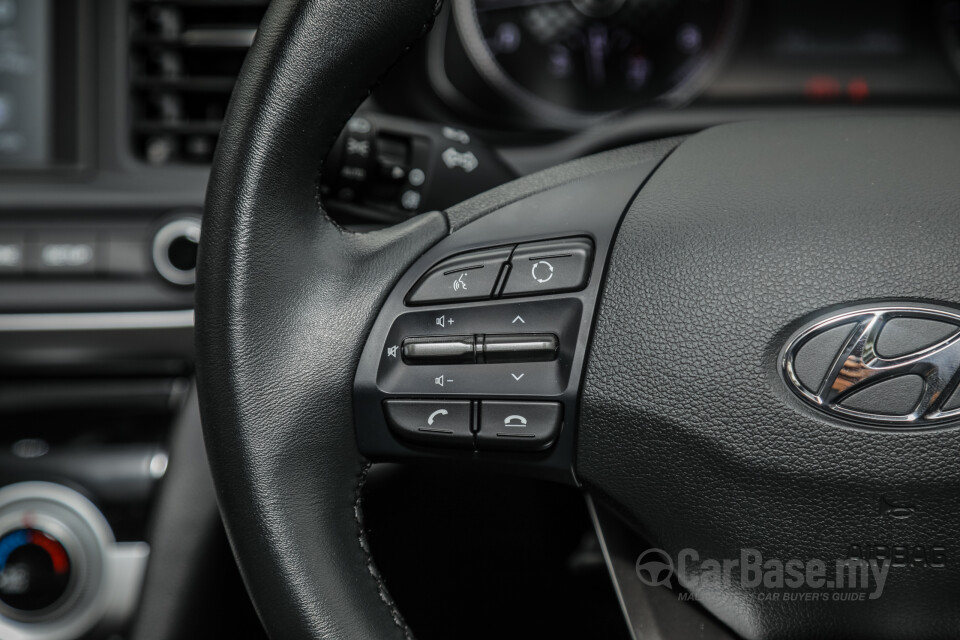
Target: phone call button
<point x="443" y="423"/>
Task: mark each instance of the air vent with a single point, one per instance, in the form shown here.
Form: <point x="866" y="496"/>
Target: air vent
<point x="184" y="59"/>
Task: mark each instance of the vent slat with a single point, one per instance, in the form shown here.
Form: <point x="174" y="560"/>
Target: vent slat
<point x="151" y="126"/>
<point x="184" y="59"/>
<point x="208" y="84"/>
<point x="210" y="38"/>
<point x="219" y="4"/>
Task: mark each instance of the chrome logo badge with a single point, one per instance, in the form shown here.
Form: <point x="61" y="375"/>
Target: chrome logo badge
<point x="893" y="366"/>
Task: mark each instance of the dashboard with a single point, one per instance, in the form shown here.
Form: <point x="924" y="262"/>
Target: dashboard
<point x="517" y="66"/>
<point x="588" y="56"/>
<point x="109" y="116"/>
<point x="563" y="65"/>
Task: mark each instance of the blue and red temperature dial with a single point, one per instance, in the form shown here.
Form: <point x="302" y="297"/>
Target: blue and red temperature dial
<point x="34" y="569"/>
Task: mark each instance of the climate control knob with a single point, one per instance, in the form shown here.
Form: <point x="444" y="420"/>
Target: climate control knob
<point x="62" y="572"/>
<point x="35" y="570"/>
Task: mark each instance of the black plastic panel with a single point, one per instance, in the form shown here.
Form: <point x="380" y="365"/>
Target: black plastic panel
<point x="116" y="272"/>
<point x="559" y="316"/>
<point x="588" y="208"/>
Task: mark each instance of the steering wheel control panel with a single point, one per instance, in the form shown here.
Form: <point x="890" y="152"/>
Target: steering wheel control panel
<point x="484" y="377"/>
<point x="492" y="425"/>
<point x="485" y="373"/>
<point x="502" y="349"/>
<point x="528" y="269"/>
<point x="478" y="352"/>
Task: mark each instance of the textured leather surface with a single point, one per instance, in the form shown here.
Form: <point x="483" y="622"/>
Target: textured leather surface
<point x="284" y="302"/>
<point x="487" y="202"/>
<point x="686" y="427"/>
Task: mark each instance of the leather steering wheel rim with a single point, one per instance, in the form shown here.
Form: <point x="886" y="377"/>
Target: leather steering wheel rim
<point x="270" y="252"/>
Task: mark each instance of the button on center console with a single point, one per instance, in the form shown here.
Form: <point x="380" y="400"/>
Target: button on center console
<point x="73" y="254"/>
<point x="11" y="253"/>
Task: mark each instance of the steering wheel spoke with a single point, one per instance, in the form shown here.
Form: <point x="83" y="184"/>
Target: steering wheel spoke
<point x="478" y="352"/>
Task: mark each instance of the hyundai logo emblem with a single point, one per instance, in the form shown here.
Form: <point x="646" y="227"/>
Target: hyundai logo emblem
<point x="893" y="366"/>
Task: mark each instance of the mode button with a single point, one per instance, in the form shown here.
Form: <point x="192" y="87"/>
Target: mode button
<point x="549" y="267"/>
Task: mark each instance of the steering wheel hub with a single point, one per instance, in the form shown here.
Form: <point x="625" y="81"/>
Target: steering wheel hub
<point x="743" y="237"/>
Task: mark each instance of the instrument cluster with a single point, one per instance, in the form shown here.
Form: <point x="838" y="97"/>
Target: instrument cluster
<point x="567" y="62"/>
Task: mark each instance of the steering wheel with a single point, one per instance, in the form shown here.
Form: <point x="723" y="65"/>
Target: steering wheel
<point x="743" y="343"/>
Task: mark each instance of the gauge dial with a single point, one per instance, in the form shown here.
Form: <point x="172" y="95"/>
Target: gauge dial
<point x="590" y="56"/>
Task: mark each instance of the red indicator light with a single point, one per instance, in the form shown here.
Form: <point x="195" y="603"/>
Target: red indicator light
<point x="822" y="88"/>
<point x="858" y="90"/>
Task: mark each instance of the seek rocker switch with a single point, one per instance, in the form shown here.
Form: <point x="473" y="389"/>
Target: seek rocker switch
<point x="515" y="347"/>
<point x="519" y="347"/>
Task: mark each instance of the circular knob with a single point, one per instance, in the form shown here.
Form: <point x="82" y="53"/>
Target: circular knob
<point x="175" y="250"/>
<point x="34" y="570"/>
